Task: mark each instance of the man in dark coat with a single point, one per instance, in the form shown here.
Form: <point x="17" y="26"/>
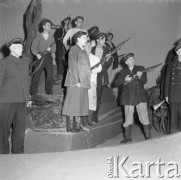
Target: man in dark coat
<point x="133" y="94"/>
<point x="172" y="91"/>
<point x="14" y="92"/>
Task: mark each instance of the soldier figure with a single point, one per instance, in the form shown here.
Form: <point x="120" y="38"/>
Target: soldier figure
<point x="133" y="94"/>
<point x="172" y="89"/>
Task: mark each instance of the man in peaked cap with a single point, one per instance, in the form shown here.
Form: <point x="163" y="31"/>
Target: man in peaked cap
<point x="133" y="94"/>
<point x="172" y="89"/>
<point x="14" y="93"/>
<point x="14" y="41"/>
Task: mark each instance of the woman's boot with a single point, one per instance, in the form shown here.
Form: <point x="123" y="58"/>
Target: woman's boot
<point x="77" y="124"/>
<point x="68" y="125"/>
<point x="127" y="134"/>
<point x="84" y="120"/>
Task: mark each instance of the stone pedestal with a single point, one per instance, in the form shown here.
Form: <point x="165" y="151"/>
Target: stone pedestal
<point x="46" y="126"/>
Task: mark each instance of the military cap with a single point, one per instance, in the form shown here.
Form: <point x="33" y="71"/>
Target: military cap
<point x="100" y="34"/>
<point x="128" y="56"/>
<point x="14" y="41"/>
<point x="178" y="47"/>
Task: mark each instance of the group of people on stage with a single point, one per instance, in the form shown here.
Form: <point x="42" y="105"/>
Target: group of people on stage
<point x="83" y="58"/>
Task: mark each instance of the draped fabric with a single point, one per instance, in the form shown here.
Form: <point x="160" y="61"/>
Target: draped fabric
<point x="11" y="21"/>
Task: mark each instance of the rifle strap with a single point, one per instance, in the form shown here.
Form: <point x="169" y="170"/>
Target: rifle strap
<point x="42" y="60"/>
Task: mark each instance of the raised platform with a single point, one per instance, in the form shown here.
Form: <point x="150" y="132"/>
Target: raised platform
<point x="96" y="164"/>
<point x="110" y="118"/>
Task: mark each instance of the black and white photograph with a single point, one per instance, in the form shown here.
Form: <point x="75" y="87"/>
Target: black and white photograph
<point x="90" y="89"/>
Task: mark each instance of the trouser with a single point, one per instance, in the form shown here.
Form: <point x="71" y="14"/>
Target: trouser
<point x="12" y="115"/>
<point x="174" y="120"/>
<point x="47" y="65"/>
<point x="92" y="97"/>
<point x="142" y="114"/>
<point x="99" y="97"/>
<point x="60" y="65"/>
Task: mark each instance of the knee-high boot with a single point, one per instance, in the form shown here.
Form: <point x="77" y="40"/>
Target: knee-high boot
<point x="127" y="134"/>
<point x="69" y="124"/>
<point x="95" y="116"/>
<point x="84" y="120"/>
<point x="147" y="132"/>
<point x="77" y="124"/>
<point x="90" y="118"/>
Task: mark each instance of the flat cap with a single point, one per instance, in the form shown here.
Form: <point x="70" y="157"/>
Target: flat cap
<point x="128" y="56"/>
<point x="14" y="41"/>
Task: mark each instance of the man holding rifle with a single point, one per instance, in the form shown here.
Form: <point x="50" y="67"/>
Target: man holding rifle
<point x="132" y="78"/>
<point x="42" y="47"/>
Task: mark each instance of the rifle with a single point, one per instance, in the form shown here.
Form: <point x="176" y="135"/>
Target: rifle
<point x="118" y="47"/>
<point x="145" y="70"/>
<point x="42" y="59"/>
<point x="121" y="55"/>
<point x="54" y="26"/>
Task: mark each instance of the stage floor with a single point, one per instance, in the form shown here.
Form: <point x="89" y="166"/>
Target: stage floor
<point x="95" y="163"/>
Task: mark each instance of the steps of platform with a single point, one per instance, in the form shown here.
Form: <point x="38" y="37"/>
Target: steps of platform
<point x="110" y="118"/>
<point x="43" y="142"/>
<point x="109" y="113"/>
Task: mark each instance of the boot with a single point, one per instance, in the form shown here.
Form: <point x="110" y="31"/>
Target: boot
<point x="84" y="120"/>
<point x="147" y="132"/>
<point x="168" y="124"/>
<point x="94" y="117"/>
<point x="90" y="122"/>
<point x="68" y="124"/>
<point x="76" y="124"/>
<point x="127" y="134"/>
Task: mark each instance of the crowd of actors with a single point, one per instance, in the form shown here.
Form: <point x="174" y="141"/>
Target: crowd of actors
<point x="83" y="58"/>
